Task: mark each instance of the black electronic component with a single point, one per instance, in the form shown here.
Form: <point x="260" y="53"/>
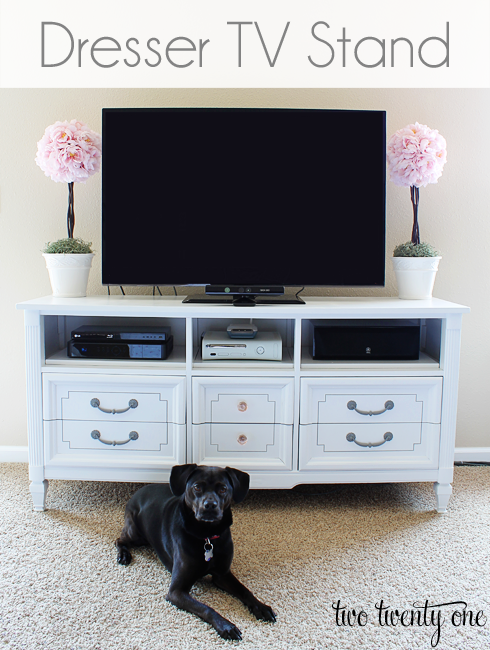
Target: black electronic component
<point x="148" y="350"/>
<point x="369" y="340"/>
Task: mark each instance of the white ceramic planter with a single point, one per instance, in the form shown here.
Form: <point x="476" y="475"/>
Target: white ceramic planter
<point x="415" y="276"/>
<point x="68" y="273"/>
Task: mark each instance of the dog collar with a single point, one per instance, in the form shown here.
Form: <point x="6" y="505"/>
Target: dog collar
<point x="208" y="547"/>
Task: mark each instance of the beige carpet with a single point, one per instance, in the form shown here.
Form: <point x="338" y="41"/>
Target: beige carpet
<point x="300" y="551"/>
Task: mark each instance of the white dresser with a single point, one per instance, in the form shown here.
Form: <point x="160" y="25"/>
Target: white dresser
<point x="285" y="422"/>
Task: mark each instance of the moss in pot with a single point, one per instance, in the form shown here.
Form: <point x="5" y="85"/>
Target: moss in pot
<point x="68" y="246"/>
<point x="409" y="249"/>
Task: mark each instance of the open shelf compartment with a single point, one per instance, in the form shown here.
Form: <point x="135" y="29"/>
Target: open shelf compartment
<point x="58" y="329"/>
<point x="285" y="327"/>
<point x="429" y="352"/>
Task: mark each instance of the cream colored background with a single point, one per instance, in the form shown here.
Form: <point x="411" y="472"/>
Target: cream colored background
<point x="454" y="214"/>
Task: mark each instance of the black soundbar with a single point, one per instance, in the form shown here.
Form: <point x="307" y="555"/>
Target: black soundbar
<point x="383" y="340"/>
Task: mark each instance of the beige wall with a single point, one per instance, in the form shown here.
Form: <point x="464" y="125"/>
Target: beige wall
<point x="454" y="214"/>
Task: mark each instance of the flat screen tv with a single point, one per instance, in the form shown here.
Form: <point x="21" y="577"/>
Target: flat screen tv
<point x="243" y="201"/>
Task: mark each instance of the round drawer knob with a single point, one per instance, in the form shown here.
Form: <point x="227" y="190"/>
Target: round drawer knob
<point x="242" y="406"/>
<point x="242" y="439"/>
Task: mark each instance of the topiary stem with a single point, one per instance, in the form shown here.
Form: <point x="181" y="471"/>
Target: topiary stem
<point x="70" y="217"/>
<point x="414" y="195"/>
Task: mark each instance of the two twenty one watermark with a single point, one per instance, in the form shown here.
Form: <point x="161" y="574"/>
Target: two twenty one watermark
<point x="434" y="616"/>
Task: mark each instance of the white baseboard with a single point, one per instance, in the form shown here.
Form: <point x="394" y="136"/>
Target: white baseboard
<point x="472" y="454"/>
<point x="11" y="454"/>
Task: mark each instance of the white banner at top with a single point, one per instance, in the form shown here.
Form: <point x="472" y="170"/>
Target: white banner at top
<point x="245" y="44"/>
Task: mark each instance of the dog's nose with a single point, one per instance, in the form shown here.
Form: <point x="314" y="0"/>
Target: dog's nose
<point x="210" y="504"/>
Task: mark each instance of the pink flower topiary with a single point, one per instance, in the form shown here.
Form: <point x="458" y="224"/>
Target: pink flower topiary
<point x="69" y="152"/>
<point x="416" y="156"/>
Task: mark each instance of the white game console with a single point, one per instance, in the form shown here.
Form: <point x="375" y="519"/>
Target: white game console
<point x="265" y="346"/>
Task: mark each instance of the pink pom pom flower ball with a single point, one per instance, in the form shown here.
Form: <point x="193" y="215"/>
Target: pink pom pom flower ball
<point x="69" y="152"/>
<point x="416" y="156"/>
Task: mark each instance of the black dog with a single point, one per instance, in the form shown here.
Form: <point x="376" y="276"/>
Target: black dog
<point x="188" y="525"/>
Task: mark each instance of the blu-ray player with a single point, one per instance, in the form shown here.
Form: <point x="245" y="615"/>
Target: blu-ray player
<point x="158" y="350"/>
<point x="120" y="342"/>
<point x="120" y="333"/>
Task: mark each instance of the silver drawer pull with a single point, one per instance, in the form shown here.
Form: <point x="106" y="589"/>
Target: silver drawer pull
<point x="132" y="404"/>
<point x="242" y="406"/>
<point x="351" y="437"/>
<point x="242" y="439"/>
<point x="352" y="406"/>
<point x="132" y="436"/>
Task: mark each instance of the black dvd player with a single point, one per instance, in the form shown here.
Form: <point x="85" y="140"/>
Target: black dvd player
<point x="120" y="333"/>
<point x="158" y="350"/>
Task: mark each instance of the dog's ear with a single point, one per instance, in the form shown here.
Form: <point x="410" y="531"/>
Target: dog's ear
<point x="240" y="482"/>
<point x="179" y="477"/>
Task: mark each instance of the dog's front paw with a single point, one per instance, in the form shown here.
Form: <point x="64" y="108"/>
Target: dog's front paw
<point x="263" y="612"/>
<point x="228" y="631"/>
<point x="124" y="556"/>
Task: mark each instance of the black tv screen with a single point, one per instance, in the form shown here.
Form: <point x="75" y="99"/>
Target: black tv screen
<point x="198" y="196"/>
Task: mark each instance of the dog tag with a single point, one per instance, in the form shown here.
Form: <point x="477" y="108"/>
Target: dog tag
<point x="208" y="550"/>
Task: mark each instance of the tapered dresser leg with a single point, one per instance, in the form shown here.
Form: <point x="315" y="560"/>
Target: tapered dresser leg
<point x="38" y="492"/>
<point x="443" y="492"/>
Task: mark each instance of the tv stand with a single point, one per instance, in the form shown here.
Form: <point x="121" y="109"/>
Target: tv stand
<point x="287" y="422"/>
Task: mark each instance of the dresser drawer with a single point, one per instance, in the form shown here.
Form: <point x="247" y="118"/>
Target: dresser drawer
<point x="85" y="443"/>
<point x="369" y="446"/>
<point x="239" y="400"/>
<point x="245" y="446"/>
<point x="367" y="400"/>
<point x="371" y="437"/>
<point x="124" y="436"/>
<point x="111" y="398"/>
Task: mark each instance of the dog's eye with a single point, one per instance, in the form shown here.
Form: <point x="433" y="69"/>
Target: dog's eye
<point x="222" y="489"/>
<point x="197" y="488"/>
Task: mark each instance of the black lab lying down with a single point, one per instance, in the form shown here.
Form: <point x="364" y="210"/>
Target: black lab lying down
<point x="188" y="525"/>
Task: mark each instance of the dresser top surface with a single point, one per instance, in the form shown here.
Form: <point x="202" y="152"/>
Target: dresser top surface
<point x="314" y="307"/>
